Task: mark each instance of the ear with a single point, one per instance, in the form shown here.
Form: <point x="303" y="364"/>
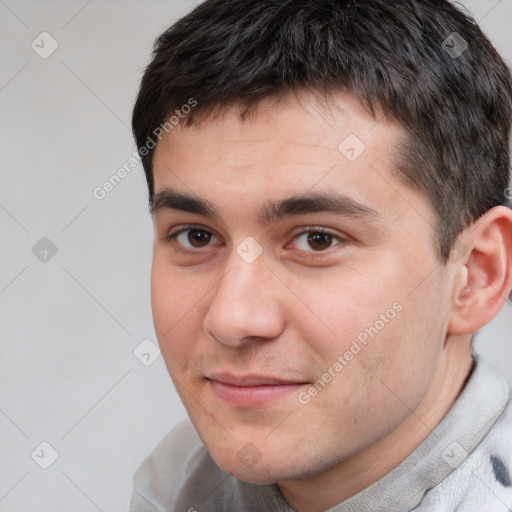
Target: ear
<point x="484" y="274"/>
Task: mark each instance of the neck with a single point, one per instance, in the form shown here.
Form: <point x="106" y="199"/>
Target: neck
<point x="324" y="491"/>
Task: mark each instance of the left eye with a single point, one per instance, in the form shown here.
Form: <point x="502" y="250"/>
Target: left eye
<point x="317" y="240"/>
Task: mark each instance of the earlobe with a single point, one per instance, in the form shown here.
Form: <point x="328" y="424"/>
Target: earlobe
<point x="484" y="276"/>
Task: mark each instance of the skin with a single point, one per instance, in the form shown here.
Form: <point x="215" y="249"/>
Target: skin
<point x="297" y="307"/>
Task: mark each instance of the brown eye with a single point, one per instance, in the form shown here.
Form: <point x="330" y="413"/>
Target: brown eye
<point x="319" y="241"/>
<point x="191" y="238"/>
<point x="198" y="237"/>
<point x="315" y="239"/>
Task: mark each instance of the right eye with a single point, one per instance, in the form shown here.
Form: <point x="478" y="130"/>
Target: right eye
<point x="190" y="239"/>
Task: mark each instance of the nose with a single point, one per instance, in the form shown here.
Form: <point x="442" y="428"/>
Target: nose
<point x="246" y="305"/>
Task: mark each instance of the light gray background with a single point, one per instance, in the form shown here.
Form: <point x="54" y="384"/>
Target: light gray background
<point x="69" y="326"/>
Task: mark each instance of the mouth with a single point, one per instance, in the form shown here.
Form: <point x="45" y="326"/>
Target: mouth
<point x="251" y="391"/>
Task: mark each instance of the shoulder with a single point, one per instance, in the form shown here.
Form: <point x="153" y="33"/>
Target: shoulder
<point x="497" y="448"/>
<point x="483" y="479"/>
<point x="173" y="472"/>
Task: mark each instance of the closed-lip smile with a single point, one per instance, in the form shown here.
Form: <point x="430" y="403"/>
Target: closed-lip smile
<point x="250" y="391"/>
<point x="251" y="380"/>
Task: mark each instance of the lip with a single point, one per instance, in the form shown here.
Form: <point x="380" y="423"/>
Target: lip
<point x="251" y="391"/>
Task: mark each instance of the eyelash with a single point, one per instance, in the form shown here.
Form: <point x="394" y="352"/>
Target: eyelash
<point x="171" y="239"/>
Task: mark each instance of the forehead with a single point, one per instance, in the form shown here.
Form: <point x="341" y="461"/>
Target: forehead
<point x="304" y="123"/>
<point x="284" y="148"/>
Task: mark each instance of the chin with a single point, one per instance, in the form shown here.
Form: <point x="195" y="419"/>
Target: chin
<point x="256" y="468"/>
<point x="253" y="475"/>
<point x="259" y="473"/>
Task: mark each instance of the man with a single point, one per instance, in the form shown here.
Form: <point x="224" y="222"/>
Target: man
<point x="329" y="184"/>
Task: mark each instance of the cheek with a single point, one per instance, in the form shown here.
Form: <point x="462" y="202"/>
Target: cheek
<point x="164" y="303"/>
<point x="175" y="309"/>
<point x="385" y="336"/>
<point x="401" y="359"/>
<point x="345" y="306"/>
<point x="175" y="292"/>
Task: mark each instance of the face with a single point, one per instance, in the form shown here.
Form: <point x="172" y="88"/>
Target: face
<point x="296" y="294"/>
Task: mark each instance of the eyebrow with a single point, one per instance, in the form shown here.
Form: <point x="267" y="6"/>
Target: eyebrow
<point x="273" y="211"/>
